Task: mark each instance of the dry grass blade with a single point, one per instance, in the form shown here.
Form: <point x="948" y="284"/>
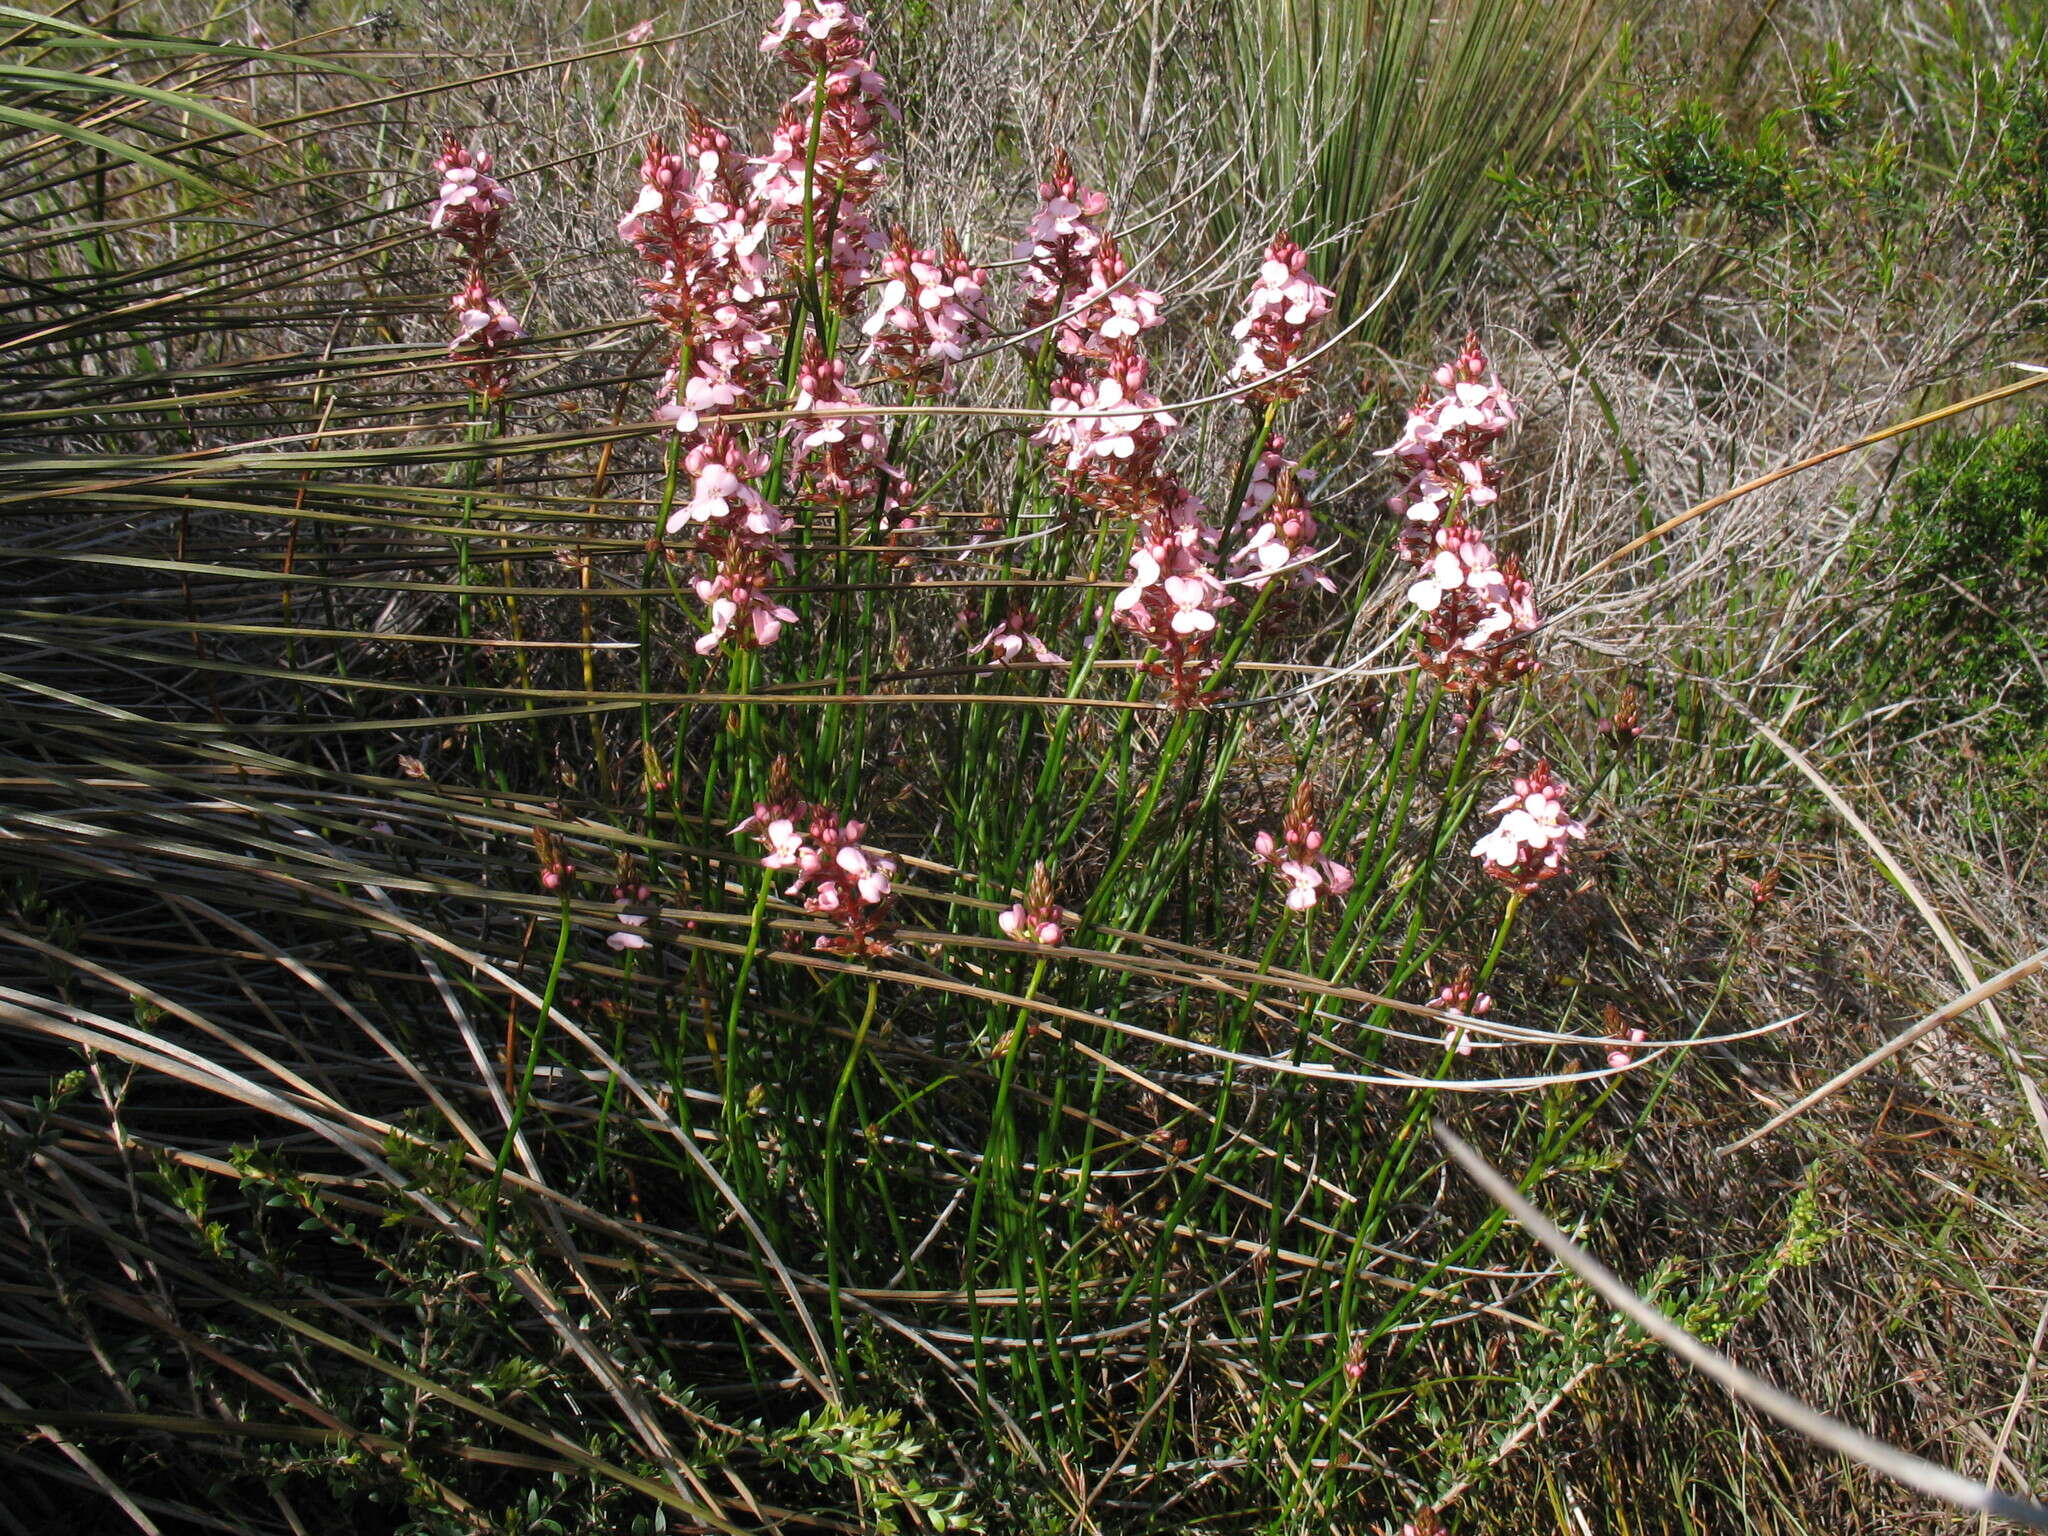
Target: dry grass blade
<point x="1812" y="461"/>
<point x="1965" y="969"/>
<point x="1937" y="1482"/>
<point x="2033" y="965"/>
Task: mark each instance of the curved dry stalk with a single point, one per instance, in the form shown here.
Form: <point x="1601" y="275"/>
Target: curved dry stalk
<point x="1938" y="1482"/>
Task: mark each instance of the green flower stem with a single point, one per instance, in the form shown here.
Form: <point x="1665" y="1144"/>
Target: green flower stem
<point x="525" y="1092"/>
<point x="831" y="1179"/>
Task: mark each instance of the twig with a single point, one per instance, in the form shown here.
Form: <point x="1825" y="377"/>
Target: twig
<point x="1785" y="471"/>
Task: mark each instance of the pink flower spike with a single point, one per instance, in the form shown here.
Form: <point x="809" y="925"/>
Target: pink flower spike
<point x="1529" y="845"/>
<point x="835" y="875"/>
<point x="1283" y="303"/>
<point x="1297" y="857"/>
<point x="1036" y="919"/>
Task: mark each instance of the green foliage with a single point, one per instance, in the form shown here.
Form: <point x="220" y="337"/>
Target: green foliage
<point x="869" y="1449"/>
<point x="2018" y="170"/>
<point x="1391" y="127"/>
<point x="1687" y="158"/>
<point x="1960" y="561"/>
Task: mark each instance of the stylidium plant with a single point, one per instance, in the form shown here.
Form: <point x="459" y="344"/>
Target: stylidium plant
<point x="740" y="530"/>
<point x="1531" y="844"/>
<point x="933" y="308"/>
<point x="1283" y="304"/>
<point x="1037" y="919"/>
<point x="835" y="876"/>
<point x="468" y="209"/>
<point x="1297" y="856"/>
<point x="1461" y="996"/>
<point x="1278" y="532"/>
<point x="825" y="161"/>
<point x="1446" y="446"/>
<point x="706" y="236"/>
<point x="1478" y="609"/>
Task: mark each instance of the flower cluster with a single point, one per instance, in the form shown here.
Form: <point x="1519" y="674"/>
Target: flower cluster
<point x="1622" y="1040"/>
<point x="1532" y="842"/>
<point x="839" y="449"/>
<point x="1461" y="995"/>
<point x="835" y="875"/>
<point x="707" y="237"/>
<point x="468" y="209"/>
<point x="1111" y="309"/>
<point x="631" y="898"/>
<point x="1283" y="304"/>
<point x="556" y="870"/>
<point x="1476" y="608"/>
<point x="1108" y="432"/>
<point x="1297" y="857"/>
<point x="933" y="308"/>
<point x="471" y="203"/>
<point x="740" y="529"/>
<point x="1059" y="244"/>
<point x="824" y="163"/>
<point x="1015" y="639"/>
<point x="1278" y="530"/>
<point x="1036" y="919"/>
<point x="1447" y="448"/>
<point x="1620" y="729"/>
<point x="1174" y="594"/>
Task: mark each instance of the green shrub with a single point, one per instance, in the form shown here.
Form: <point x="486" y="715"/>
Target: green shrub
<point x="1966" y="537"/>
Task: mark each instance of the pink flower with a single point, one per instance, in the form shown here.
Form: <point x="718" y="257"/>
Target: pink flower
<point x="1462" y="996"/>
<point x="1015" y="638"/>
<point x="1036" y="919"/>
<point x="1059" y="243"/>
<point x="1447" y="447"/>
<point x="1297" y="857"/>
<point x="640" y="31"/>
<point x="932" y="308"/>
<point x="1478" y="608"/>
<point x="1284" y="302"/>
<point x="1624" y="1051"/>
<point x="836" y="876"/>
<point x="471" y="201"/>
<point x="628" y="935"/>
<point x="839" y="448"/>
<point x="1280" y="531"/>
<point x="1192" y="600"/>
<point x="468" y="210"/>
<point x="1531" y="843"/>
